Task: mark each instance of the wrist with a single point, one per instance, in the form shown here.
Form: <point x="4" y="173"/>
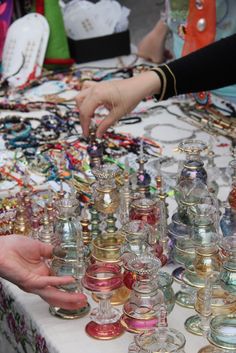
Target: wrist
<point x="146" y="84"/>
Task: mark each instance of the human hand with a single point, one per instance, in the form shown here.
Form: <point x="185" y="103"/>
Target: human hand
<point x="22" y="262"/>
<point x="118" y="96"/>
<point x="152" y="46"/>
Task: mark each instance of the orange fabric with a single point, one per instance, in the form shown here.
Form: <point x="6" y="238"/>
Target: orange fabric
<point x="195" y="39"/>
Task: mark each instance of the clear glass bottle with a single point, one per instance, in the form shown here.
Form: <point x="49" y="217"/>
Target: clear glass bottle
<point x="228" y="269"/>
<point x="106" y="195"/>
<point x="146" y="210"/>
<point x="102" y="279"/>
<point x="228" y="221"/>
<point x="140" y="311"/>
<point x="193" y="165"/>
<point x="158" y="340"/>
<point x="69" y="255"/>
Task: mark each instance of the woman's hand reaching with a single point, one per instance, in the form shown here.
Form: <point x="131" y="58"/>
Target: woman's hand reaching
<point x="119" y="97"/>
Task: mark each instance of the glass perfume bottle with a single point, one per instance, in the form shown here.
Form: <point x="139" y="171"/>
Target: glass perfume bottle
<point x="212" y="173"/>
<point x="146" y="210"/>
<point x="125" y="196"/>
<point x="199" y="324"/>
<point x="95" y="150"/>
<point x="135" y="232"/>
<point x="193" y="165"/>
<point x="228" y="220"/>
<point x="106" y="195"/>
<point x="165" y="282"/>
<point x="207" y="257"/>
<point x="140" y="311"/>
<point x="228" y="269"/>
<point x="69" y="255"/>
<point x="46" y="232"/>
<point x="102" y="279"/>
<point x="107" y="249"/>
<point x="187" y="194"/>
<point x="158" y="340"/>
<point x="209" y="304"/>
<point x="143" y="178"/>
<point x="183" y="254"/>
<point x="222" y="335"/>
<point x="207" y="260"/>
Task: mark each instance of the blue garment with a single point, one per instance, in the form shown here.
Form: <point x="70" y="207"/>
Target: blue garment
<point x="225" y="26"/>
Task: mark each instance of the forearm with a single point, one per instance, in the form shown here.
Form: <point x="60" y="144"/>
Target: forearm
<point x="143" y="85"/>
<point x="209" y="68"/>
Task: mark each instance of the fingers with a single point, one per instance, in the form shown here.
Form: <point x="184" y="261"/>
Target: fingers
<point x="95" y="95"/>
<point x="45" y="250"/>
<point x="44" y="281"/>
<point x="87" y="109"/>
<point x="65" y="300"/>
<point x="106" y="123"/>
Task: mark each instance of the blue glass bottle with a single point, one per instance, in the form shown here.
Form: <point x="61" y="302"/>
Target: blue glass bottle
<point x="228" y="221"/>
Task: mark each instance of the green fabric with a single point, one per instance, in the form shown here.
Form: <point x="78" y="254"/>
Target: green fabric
<point x="57" y="45"/>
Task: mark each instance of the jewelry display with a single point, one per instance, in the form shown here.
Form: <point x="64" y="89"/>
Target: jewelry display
<point x="210" y="117"/>
<point x="105" y="209"/>
<point x="150" y="133"/>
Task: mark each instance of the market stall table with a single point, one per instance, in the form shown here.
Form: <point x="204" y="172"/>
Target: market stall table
<point x="26" y="324"/>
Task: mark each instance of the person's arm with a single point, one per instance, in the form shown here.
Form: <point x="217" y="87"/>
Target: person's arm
<point x="209" y="68"/>
<point x="22" y="262"/>
<point x="118" y="96"/>
<point x="206" y="69"/>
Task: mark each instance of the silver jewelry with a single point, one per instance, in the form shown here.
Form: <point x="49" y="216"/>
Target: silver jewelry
<point x="149" y="128"/>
